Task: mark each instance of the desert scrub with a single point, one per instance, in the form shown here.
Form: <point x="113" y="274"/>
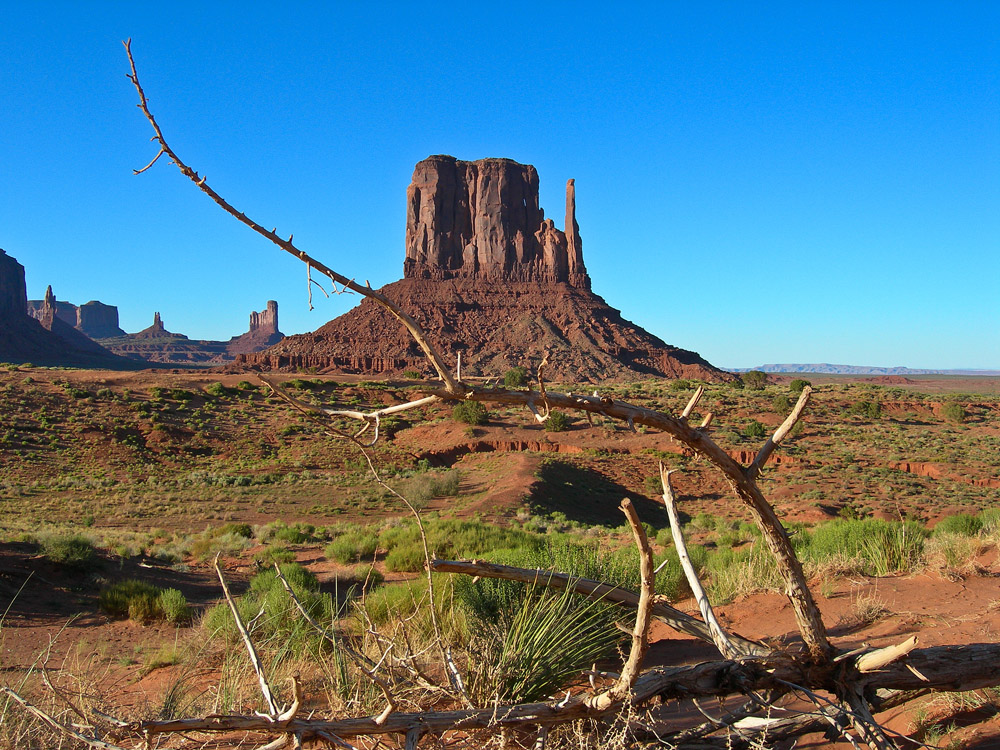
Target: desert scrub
<point x="879" y="547"/>
<point x="425" y="486"/>
<point x="144" y="602"/>
<point x="953" y="412"/>
<point x="470" y="412"/>
<point x="74" y="551"/>
<point x="271" y="615"/>
<point x="449" y="539"/>
<point x="557" y="422"/>
<point x="515" y="377"/>
<point x="962" y="524"/>
<point x="351" y="548"/>
<point x="530" y="652"/>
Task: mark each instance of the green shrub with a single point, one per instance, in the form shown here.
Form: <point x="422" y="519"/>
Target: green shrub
<point x="138" y="600"/>
<point x="218" y="390"/>
<point x="275" y="618"/>
<point x="754" y="429"/>
<point x="798" y="385"/>
<point x="557" y="422"/>
<point x="868" y="409"/>
<point x="470" y="412"/>
<point x="961" y="523"/>
<point x="680" y="385"/>
<point x="515" y="377"/>
<point x="246" y="385"/>
<point x="954" y="412"/>
<point x="351" y="549"/>
<point x="71" y="550"/>
<point x="781" y="403"/>
<point x="881" y="547"/>
<point x="412" y="375"/>
<point x="755" y="380"/>
<point x="990" y="520"/>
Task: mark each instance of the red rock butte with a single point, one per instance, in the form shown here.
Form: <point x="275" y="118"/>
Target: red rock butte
<point x="488" y="276"/>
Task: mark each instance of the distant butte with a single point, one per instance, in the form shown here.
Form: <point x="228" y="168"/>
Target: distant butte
<point x="487" y="275"/>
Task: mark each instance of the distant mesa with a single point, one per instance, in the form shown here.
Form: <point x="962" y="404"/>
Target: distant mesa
<point x="43" y="337"/>
<point x="157" y="344"/>
<point x="488" y="276"/>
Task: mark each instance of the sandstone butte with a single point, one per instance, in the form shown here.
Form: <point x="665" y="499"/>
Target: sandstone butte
<point x="45" y="338"/>
<point x="487" y="276"/>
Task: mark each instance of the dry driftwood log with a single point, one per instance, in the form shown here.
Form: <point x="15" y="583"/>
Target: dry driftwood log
<point x="845" y="687"/>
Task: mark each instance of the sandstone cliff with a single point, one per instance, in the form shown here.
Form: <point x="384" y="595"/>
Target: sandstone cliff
<point x="47" y="340"/>
<point x="481" y="220"/>
<point x="487" y="275"/>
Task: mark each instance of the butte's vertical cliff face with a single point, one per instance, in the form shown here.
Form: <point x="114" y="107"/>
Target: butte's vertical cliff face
<point x="262" y="334"/>
<point x="13" y="298"/>
<point x="44" y="337"/>
<point x="481" y="220"/>
<point x="488" y="276"/>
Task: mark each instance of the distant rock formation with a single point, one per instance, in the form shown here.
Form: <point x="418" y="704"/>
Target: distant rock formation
<point x="481" y="220"/>
<point x="156" y="331"/>
<point x="94" y="319"/>
<point x="157" y="344"/>
<point x="488" y="276"/>
<point x="262" y="334"/>
<point x="46" y="339"/>
<point x="97" y="320"/>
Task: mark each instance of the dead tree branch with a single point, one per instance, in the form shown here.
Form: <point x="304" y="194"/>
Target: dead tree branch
<point x="452" y="385"/>
<point x="719" y="636"/>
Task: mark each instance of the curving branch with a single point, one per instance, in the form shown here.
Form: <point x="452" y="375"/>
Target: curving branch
<point x="411" y="325"/>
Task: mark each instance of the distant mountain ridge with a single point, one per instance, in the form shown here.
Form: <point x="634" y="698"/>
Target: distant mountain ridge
<point x="828" y="369"/>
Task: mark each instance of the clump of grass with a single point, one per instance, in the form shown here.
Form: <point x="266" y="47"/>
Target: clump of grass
<point x="869" y="608"/>
<point x="527" y="654"/>
<point x="881" y="547"/>
<point x="425" y="486"/>
<point x="272" y="616"/>
<point x="962" y="524"/>
<point x="144" y="602"/>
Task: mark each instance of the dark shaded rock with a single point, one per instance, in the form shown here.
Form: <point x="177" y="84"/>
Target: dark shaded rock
<point x="97" y="320"/>
<point x="47" y="340"/>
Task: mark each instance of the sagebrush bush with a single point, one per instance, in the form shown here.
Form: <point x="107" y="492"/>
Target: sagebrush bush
<point x="71" y="550"/>
<point x="349" y="548"/>
<point x="798" y="385"/>
<point x="962" y="524"/>
<point x="953" y="411"/>
<point x="143" y="602"/>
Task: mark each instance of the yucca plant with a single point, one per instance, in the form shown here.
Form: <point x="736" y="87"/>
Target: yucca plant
<point x="531" y="652"/>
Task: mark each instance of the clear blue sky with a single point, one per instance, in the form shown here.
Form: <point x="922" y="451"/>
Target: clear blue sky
<point x="760" y="182"/>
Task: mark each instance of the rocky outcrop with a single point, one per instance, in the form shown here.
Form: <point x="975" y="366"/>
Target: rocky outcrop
<point x="94" y="319"/>
<point x="489" y="277"/>
<point x="47" y="339"/>
<point x="481" y="220"/>
<point x="156" y="331"/>
<point x="98" y="321"/>
<point x="262" y="334"/>
<point x="13" y="297"/>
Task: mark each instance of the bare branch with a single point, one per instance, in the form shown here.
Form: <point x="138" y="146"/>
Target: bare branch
<point x="411" y="325"/>
<point x="780" y="434"/>
<point x="693" y="402"/>
<point x="640" y="633"/>
<point x="875" y="660"/>
<point x="272" y="705"/>
<point x="58" y="726"/>
<point x="719" y="636"/>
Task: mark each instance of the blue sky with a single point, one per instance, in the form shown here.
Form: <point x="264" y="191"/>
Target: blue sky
<point x="800" y="182"/>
